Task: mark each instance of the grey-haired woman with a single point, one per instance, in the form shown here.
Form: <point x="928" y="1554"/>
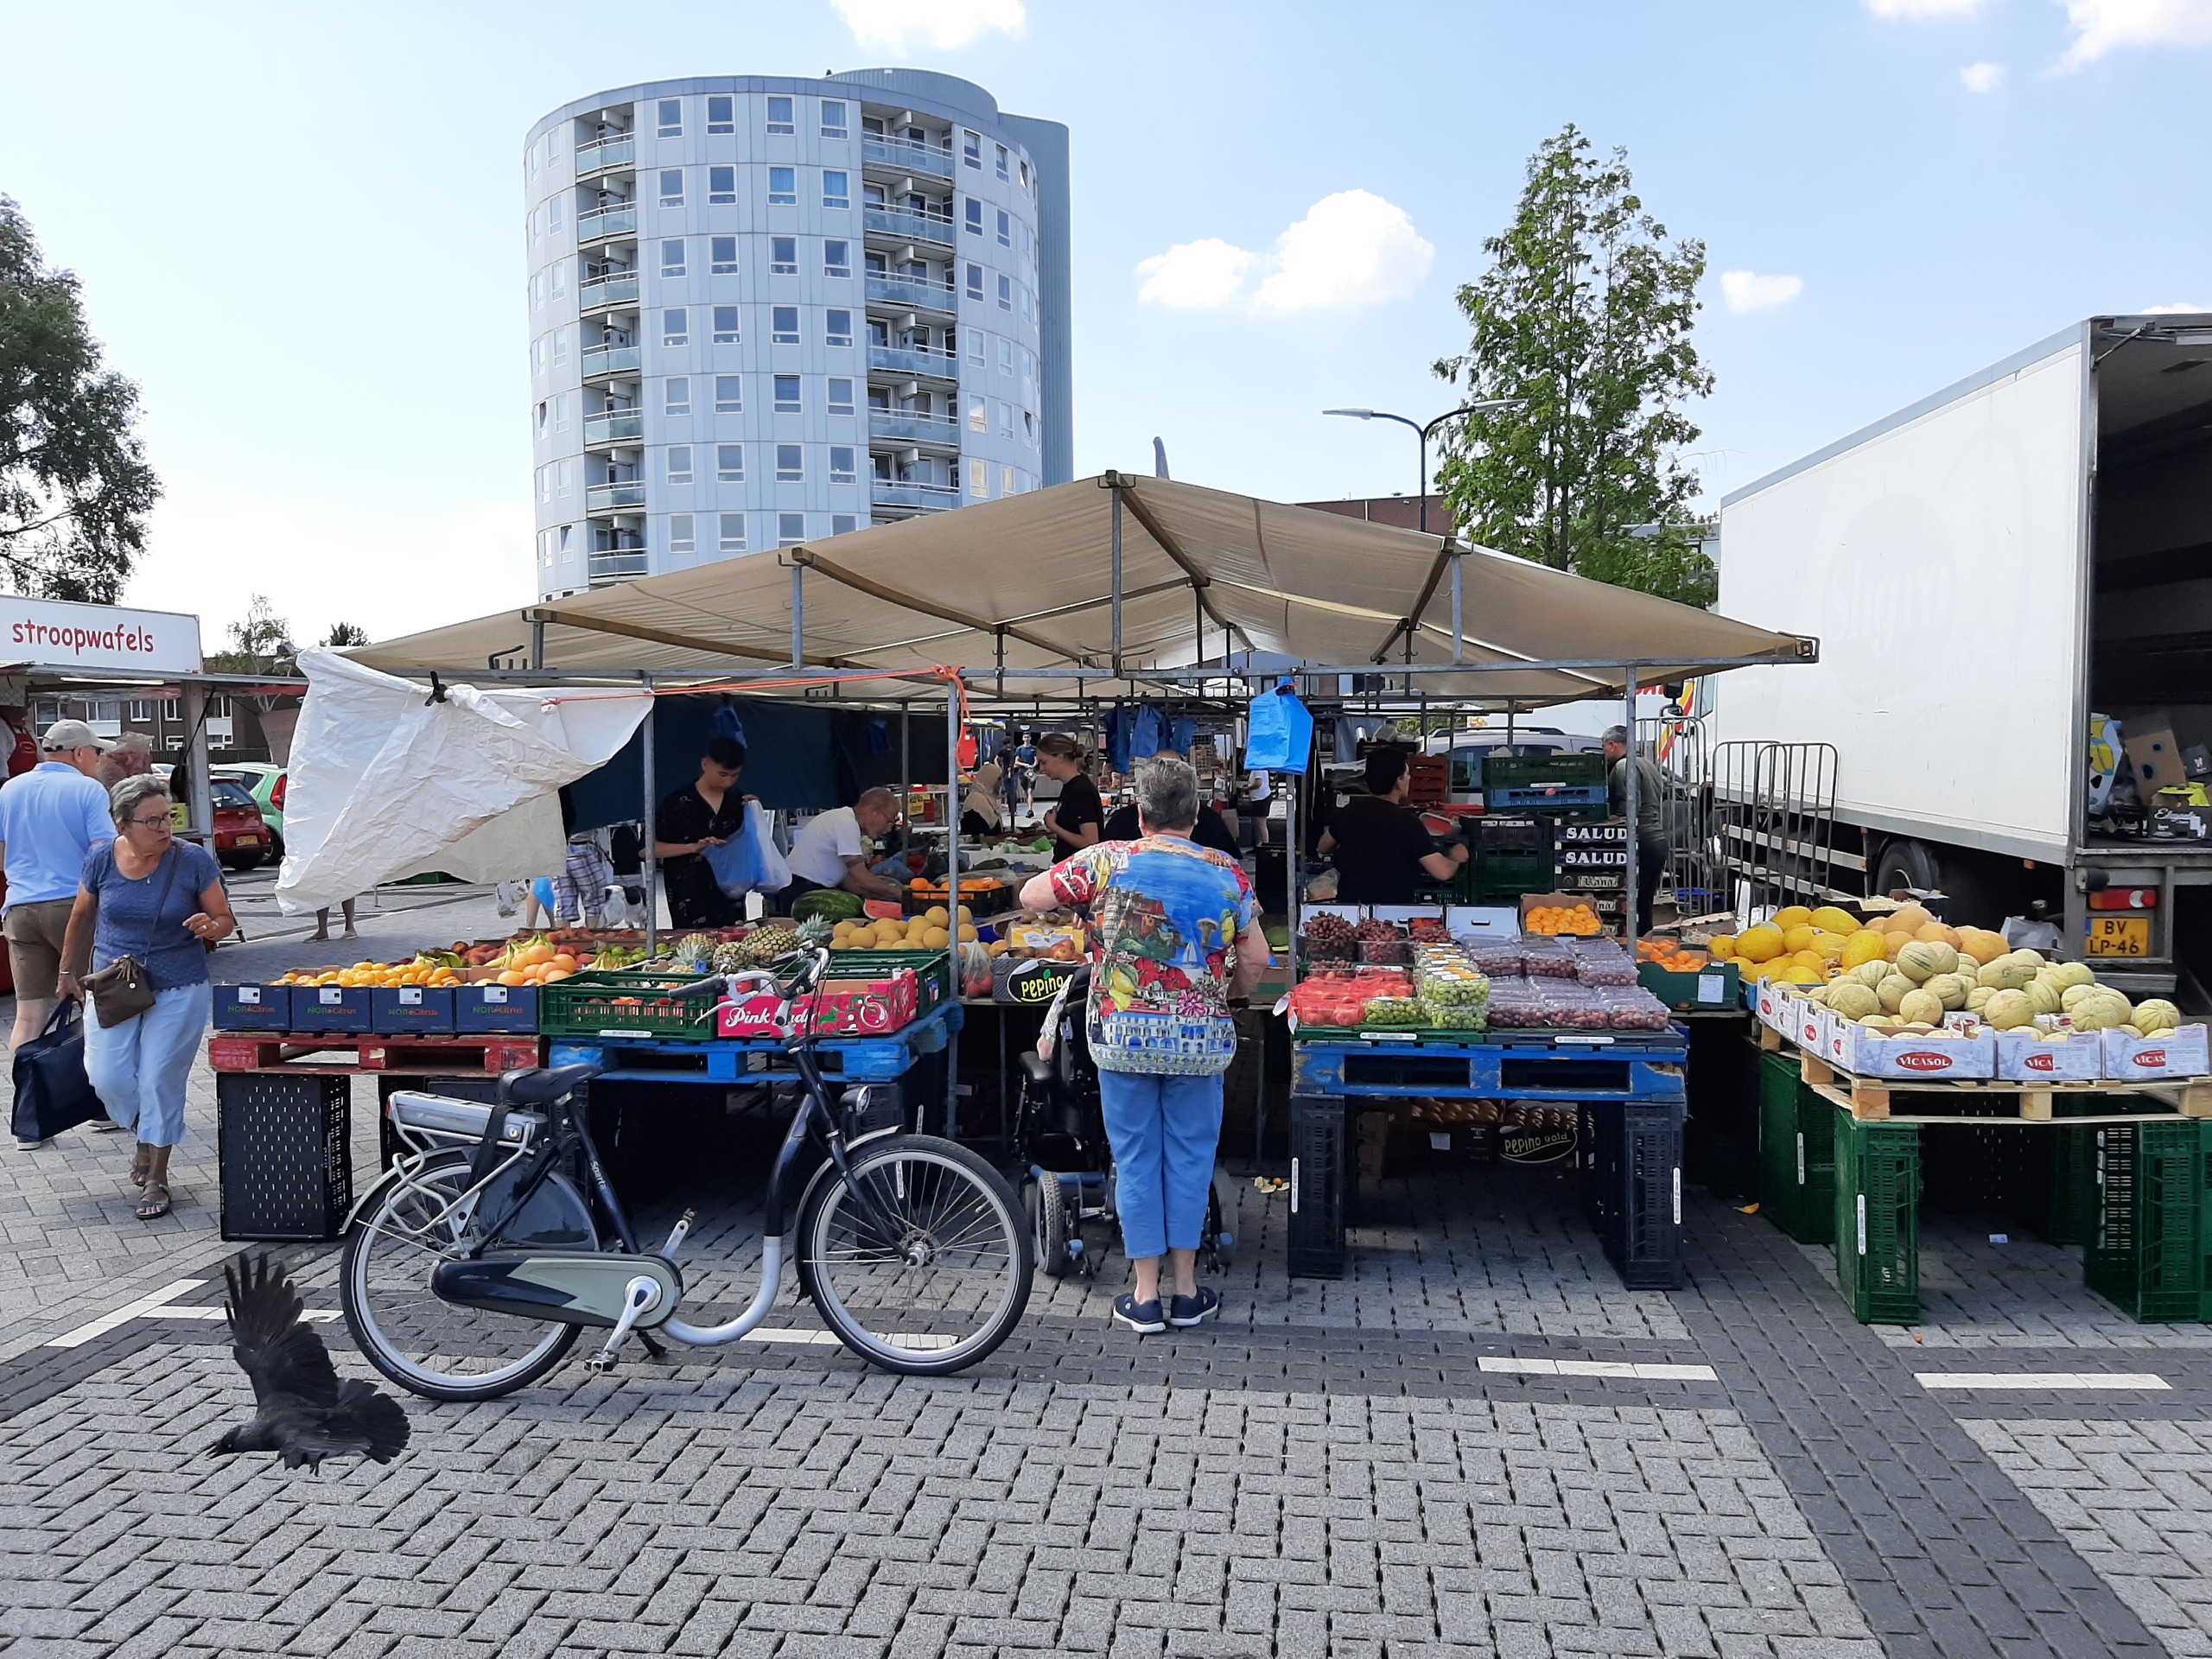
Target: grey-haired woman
<point x="147" y="896"/>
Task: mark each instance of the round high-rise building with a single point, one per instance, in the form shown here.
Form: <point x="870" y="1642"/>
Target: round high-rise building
<point x="766" y="310"/>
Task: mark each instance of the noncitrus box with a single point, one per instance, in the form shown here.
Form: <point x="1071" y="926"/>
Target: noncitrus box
<point x="2129" y="1058"/>
<point x="1928" y="1059"/>
<point x="2022" y="1057"/>
<point x="1808" y="1023"/>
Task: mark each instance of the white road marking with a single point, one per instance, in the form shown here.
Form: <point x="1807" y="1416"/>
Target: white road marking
<point x="123" y="1315"/>
<point x="1637" y="1372"/>
<point x="311" y="1316"/>
<point x="804" y="1339"/>
<point x="2064" y="1380"/>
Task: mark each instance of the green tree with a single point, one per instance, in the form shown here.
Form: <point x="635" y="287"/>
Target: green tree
<point x="262" y="643"/>
<point x="345" y="633"/>
<point x="74" y="486"/>
<point x="1583" y="323"/>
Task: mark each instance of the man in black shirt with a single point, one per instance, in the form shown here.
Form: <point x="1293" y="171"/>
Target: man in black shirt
<point x="1380" y="849"/>
<point x="1212" y="829"/>
<point x="696" y="816"/>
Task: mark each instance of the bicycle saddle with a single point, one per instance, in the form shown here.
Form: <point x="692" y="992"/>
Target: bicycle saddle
<point x="539" y="1087"/>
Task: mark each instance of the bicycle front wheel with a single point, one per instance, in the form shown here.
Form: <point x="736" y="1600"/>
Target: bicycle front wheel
<point x="919" y="1261"/>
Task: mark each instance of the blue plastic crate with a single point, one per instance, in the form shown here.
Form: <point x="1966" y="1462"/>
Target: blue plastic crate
<point x="332" y="1007"/>
<point x="402" y="1009"/>
<point x="848" y="1059"/>
<point x="253" y="1007"/>
<point x="1507" y="1067"/>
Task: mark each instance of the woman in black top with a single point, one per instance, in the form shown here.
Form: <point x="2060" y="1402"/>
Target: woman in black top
<point x="1080" y="818"/>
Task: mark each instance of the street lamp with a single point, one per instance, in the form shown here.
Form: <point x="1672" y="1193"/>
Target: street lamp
<point x="1476" y="408"/>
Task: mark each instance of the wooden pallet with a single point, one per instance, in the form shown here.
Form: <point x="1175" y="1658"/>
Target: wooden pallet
<point x="1872" y="1099"/>
<point x="343" y="1054"/>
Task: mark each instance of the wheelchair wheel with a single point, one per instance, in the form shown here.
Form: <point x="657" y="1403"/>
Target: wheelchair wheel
<point x="1220" y="1244"/>
<point x="1050" y="1225"/>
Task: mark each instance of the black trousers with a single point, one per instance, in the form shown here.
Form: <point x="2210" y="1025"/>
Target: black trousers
<point x="1651" y="852"/>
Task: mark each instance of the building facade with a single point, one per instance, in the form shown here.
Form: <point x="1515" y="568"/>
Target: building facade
<point x="766" y="310"/>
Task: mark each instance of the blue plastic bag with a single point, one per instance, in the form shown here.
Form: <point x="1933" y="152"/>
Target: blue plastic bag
<point x="1279" y="731"/>
<point x="1149" y="732"/>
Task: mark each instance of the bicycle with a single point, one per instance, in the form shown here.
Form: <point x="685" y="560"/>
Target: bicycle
<point x="471" y="1267"/>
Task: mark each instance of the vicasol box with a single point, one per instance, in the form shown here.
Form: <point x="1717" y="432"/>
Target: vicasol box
<point x="1808" y="1023"/>
<point x="1867" y="1053"/>
<point x="2129" y="1058"/>
<point x="2024" y="1057"/>
<point x="1766" y="1005"/>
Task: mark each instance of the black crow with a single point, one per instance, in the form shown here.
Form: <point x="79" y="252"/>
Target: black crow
<point x="301" y="1411"/>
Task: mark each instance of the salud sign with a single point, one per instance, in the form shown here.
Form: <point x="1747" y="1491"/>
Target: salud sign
<point x="55" y="634"/>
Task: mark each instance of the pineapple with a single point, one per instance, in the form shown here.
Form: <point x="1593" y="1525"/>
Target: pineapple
<point x="732" y="958"/>
<point x="693" y="953"/>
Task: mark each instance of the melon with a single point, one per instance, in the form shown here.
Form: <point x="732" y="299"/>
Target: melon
<point x="1980" y="944"/>
<point x="1978" y="999"/>
<point x="1871" y="974"/>
<point x="1892" y="991"/>
<point x="1924" y="959"/>
<point x="2072" y="973"/>
<point x="1851" y="1000"/>
<point x="1799" y="938"/>
<point x="2074" y="996"/>
<point x="2156" y="1015"/>
<point x="2006" y="973"/>
<point x="1950" y="989"/>
<point x="2103" y="1010"/>
<point x="1759" y="943"/>
<point x="1880" y="1022"/>
<point x="1832" y="920"/>
<point x="1830" y="945"/>
<point x="1909" y="919"/>
<point x="1937" y="933"/>
<point x="2008" y="1009"/>
<point x="1863" y="947"/>
<point x="1798" y="974"/>
<point x="1791" y="916"/>
<point x="1922" y="1007"/>
<point x="1723" y="946"/>
<point x="2042" y="996"/>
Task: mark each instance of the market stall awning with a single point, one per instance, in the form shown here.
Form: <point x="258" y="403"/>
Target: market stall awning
<point x="1027" y="584"/>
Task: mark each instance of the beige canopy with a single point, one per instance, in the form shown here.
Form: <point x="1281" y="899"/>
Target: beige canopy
<point x="1025" y="584"/>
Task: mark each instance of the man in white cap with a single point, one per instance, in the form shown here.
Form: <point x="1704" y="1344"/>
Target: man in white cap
<point x="50" y="816"/>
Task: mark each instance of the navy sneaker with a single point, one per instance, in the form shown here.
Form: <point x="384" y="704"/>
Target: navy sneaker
<point x="1184" y="1311"/>
<point x="1143" y="1318"/>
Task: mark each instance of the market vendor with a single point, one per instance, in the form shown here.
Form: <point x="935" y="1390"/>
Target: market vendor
<point x="1380" y="848"/>
<point x="1652" y="847"/>
<point x="984" y="812"/>
<point x="703" y="814"/>
<point x="1212" y="830"/>
<point x="1079" y="820"/>
<point x="830" y="851"/>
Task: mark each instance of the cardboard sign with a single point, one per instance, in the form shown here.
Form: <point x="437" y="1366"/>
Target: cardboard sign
<point x="2148" y="1059"/>
<point x="2022" y="1056"/>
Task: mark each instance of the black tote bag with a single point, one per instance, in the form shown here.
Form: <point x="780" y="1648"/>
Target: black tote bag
<point x="52" y="1091"/>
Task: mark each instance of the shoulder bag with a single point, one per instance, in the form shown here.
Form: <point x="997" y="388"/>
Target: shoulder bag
<point x="52" y="1092"/>
<point x="121" y="990"/>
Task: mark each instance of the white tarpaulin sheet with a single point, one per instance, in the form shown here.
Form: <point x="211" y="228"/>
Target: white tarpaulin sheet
<point x="385" y="783"/>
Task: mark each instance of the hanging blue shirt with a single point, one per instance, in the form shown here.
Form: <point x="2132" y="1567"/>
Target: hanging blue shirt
<point x="50" y="817"/>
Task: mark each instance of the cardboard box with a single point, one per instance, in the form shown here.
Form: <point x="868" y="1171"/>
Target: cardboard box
<point x="332" y="1007"/>
<point x="1866" y="1053"/>
<point x="1808" y="1023"/>
<point x="1554" y="900"/>
<point x="757" y="1014"/>
<point x="2129" y="1058"/>
<point x="400" y="1009"/>
<point x="2024" y="1058"/>
<point x="253" y="1007"/>
<point x="1029" y="984"/>
<point x="2155" y="751"/>
<point x="866" y="1008"/>
<point x="486" y="1009"/>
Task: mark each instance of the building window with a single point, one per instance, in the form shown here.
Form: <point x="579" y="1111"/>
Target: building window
<point x="722" y="116"/>
<point x="971" y="149"/>
<point x="676" y="395"/>
<point x="560" y="346"/>
<point x="836" y="189"/>
<point x="672" y="117"/>
<point x="1005" y="419"/>
<point x="779" y="116"/>
<point x="782" y="187"/>
<point x="672" y="186"/>
<point x="564" y="477"/>
<point x="783" y="325"/>
<point x="48" y="713"/>
<point x="833" y="118"/>
<point x="979" y="419"/>
<point x="975" y="346"/>
<point x="721" y="187"/>
<point x="1006" y="481"/>
<point x="1025" y="176"/>
<point x="560" y="277"/>
<point x="1025" y="302"/>
<point x="841" y="396"/>
<point x="1003" y="159"/>
<point x="1029" y="429"/>
<point x="843" y="524"/>
<point x="840" y="330"/>
<point x="733" y="533"/>
<point x="141" y="709"/>
<point x="836" y="258"/>
<point x="671" y="256"/>
<point x="1005" y="228"/>
<point x="726" y="325"/>
<point x="975" y="217"/>
<point x="788" y="394"/>
<point x="544" y="484"/>
<point x="721" y="256"/>
<point x="975" y="282"/>
<point x="979" y="478"/>
<point x="680" y="536"/>
<point x="791" y="463"/>
<point x="1005" y="355"/>
<point x="561" y="412"/>
<point x="842" y="470"/>
<point x="729" y="463"/>
<point x="729" y="395"/>
<point x="783" y="255"/>
<point x="791" y="528"/>
<point x="679" y="463"/>
<point x="674" y="327"/>
<point x="1006" y="293"/>
<point x="541" y="410"/>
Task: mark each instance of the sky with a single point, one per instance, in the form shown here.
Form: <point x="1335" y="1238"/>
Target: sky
<point x="300" y="228"/>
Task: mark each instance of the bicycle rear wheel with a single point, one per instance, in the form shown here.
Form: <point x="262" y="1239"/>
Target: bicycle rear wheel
<point x="919" y="1261"/>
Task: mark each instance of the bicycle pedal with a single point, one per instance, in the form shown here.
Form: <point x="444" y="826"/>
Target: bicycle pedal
<point x="602" y="1362"/>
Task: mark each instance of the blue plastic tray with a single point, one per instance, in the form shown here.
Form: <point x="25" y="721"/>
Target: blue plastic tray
<point x="850" y="1059"/>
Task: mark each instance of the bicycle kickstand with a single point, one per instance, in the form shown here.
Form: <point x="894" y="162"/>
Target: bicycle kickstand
<point x="641" y="1297"/>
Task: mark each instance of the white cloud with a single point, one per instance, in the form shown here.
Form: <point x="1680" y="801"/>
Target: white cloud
<point x="2171" y="310"/>
<point x="1750" y="290"/>
<point x="1921" y="11"/>
<point x="2102" y="26"/>
<point x="1982" y="77"/>
<point x="944" y="24"/>
<point x="1209" y="272"/>
<point x="1352" y="248"/>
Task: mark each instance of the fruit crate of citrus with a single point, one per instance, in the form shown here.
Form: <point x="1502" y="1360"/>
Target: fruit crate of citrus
<point x="670" y="1006"/>
<point x="1568" y="913"/>
<point x="1687" y="979"/>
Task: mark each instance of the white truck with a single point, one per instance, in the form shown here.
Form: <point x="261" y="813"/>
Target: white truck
<point x="1985" y="570"/>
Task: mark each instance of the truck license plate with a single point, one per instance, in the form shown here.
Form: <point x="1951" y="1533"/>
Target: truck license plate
<point x="2119" y="936"/>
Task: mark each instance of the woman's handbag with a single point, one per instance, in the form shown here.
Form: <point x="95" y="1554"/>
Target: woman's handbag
<point x="52" y="1091"/>
<point x="121" y="990"/>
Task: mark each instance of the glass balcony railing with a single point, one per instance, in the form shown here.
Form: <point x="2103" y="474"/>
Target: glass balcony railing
<point x="602" y="222"/>
<point x="905" y="426"/>
<point x="598" y="291"/>
<point x="614" y="426"/>
<point x="603" y="153"/>
<point x="614" y="498"/>
<point x="615" y="564"/>
<point x="909" y="226"/>
<point x="907" y="154"/>
<point x="931" y="295"/>
<point x="611" y="359"/>
<point x="910" y="360"/>
<point x="889" y="493"/>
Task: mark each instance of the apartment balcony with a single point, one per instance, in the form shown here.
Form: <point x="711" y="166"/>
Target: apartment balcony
<point x="601" y="222"/>
<point x="908" y="227"/>
<point x="614" y="564"/>
<point x="598" y="293"/>
<point x="603" y="362"/>
<point x="887" y="154"/>
<point x="927" y="360"/>
<point x="910" y="294"/>
<point x="628" y="496"/>
<point x="894" y="497"/>
<point x="614" y="426"/>
<point x="905" y="426"/>
<point x="604" y="155"/>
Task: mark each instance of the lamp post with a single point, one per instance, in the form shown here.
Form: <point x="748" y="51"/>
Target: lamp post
<point x="1422" y="432"/>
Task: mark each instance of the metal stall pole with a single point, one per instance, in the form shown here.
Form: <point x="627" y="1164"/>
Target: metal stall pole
<point x="952" y="885"/>
<point x="1116" y="487"/>
<point x="200" y="809"/>
<point x="653" y="790"/>
<point x="1628" y="809"/>
<point x="799" y="614"/>
<point x="1458" y="639"/>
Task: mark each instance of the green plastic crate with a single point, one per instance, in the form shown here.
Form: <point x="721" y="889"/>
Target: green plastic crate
<point x="1877" y="1219"/>
<point x="2148" y="1244"/>
<point x="1538" y="771"/>
<point x="2069" y="1212"/>
<point x="665" y="1007"/>
<point x="1796" y="1154"/>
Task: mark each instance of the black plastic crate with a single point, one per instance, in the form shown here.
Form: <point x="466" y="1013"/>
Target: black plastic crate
<point x="253" y="1007"/>
<point x="1631" y="1158"/>
<point x="285" y="1155"/>
<point x="2148" y="1241"/>
<point x="1318" y="1187"/>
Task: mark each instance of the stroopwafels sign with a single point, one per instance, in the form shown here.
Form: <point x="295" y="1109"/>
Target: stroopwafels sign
<point x="54" y="634"/>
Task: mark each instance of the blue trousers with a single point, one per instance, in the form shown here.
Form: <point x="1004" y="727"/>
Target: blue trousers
<point x="1164" y="1131"/>
<point x="138" y="1068"/>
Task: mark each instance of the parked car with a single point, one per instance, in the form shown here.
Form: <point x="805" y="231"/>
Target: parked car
<point x="242" y="841"/>
<point x="265" y="781"/>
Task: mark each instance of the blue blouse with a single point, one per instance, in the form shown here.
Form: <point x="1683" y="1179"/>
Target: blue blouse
<point x="174" y="957"/>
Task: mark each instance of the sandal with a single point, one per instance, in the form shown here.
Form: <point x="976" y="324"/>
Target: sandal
<point x="156" y="1204"/>
<point x="140" y="1167"/>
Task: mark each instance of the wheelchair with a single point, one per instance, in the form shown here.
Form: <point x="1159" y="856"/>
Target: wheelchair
<point x="1060" y="1138"/>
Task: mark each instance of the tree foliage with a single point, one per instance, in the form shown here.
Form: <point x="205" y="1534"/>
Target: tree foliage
<point x="75" y="489"/>
<point x="260" y="644"/>
<point x="345" y="633"/>
<point x="1583" y="321"/>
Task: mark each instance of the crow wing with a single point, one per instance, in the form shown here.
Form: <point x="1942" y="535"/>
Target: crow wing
<point x="375" y="1421"/>
<point x="279" y="1354"/>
